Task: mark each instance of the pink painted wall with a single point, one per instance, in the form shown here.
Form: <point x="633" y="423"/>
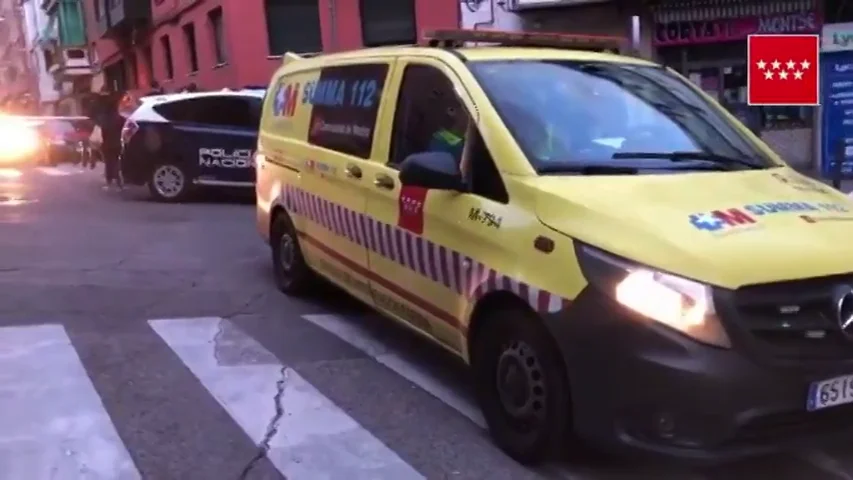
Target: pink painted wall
<point x="246" y="45"/>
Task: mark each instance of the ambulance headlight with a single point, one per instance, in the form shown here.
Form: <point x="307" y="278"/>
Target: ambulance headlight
<point x="680" y="304"/>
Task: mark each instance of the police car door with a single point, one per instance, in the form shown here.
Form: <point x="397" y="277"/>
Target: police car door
<point x="223" y="141"/>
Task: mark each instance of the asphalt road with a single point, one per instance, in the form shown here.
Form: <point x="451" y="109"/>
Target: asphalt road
<point x="140" y="340"/>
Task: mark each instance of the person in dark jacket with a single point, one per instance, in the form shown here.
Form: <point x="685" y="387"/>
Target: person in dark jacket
<point x="107" y="117"/>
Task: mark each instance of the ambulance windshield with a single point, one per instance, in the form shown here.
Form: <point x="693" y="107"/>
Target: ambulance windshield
<point x="570" y="114"/>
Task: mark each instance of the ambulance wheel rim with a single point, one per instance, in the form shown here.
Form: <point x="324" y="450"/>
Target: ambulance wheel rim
<point x="521" y="385"/>
<point x="287" y="252"/>
<point x="168" y="181"/>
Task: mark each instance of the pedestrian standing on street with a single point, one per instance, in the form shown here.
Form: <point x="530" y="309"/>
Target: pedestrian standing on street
<point x="111" y="123"/>
<point x="96" y="142"/>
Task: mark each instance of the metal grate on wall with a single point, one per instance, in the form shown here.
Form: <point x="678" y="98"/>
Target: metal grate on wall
<point x="699" y="10"/>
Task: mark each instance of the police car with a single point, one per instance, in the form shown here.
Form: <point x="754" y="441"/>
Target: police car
<point x="178" y="143"/>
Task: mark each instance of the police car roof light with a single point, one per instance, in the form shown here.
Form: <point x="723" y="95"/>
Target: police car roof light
<point x="458" y="38"/>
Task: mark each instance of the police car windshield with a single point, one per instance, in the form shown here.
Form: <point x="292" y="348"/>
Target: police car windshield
<point x="568" y="114"/>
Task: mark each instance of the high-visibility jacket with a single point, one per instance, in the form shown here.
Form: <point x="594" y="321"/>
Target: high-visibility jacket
<point x="446" y="141"/>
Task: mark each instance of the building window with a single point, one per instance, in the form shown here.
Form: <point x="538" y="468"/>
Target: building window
<point x="148" y="58"/>
<point x="218" y="33"/>
<point x="192" y="53"/>
<point x="116" y="77"/>
<point x="167" y="56"/>
<point x="293" y="26"/>
<point x="132" y="71"/>
<point x="388" y="23"/>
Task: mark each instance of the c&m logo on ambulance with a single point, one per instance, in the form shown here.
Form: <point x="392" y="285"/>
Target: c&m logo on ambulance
<point x="284" y="104"/>
<point x="746" y="215"/>
<point x="721" y="219"/>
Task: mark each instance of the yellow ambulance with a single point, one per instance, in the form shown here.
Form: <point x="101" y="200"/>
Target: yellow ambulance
<point x="617" y="258"/>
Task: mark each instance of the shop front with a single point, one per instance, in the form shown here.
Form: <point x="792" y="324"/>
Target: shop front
<point x="706" y="41"/>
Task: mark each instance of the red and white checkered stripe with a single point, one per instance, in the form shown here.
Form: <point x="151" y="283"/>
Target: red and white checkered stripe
<point x="456" y="271"/>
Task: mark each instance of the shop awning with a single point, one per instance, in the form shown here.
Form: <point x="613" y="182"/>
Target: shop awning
<point x="667" y="11"/>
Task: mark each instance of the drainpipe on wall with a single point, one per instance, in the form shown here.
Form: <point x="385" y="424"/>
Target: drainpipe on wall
<point x="491" y="21"/>
<point x="333" y="19"/>
<point x="635" y="33"/>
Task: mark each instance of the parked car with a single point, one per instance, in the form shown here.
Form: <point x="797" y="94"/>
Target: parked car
<point x="179" y="143"/>
<point x="64" y="139"/>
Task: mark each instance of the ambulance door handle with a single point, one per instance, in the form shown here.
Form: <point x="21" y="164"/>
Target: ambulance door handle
<point x="353" y="171"/>
<point x="384" y="181"/>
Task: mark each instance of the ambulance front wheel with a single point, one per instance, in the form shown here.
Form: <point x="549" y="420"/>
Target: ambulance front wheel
<point x="292" y="274"/>
<point x="522" y="385"/>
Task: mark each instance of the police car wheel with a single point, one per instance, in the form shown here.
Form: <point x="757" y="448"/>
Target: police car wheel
<point x="168" y="183"/>
<point x="292" y="275"/>
<point x="522" y="385"/>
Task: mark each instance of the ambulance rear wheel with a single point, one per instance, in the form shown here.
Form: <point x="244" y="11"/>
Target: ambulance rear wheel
<point x="292" y="274"/>
<point x="522" y="385"/>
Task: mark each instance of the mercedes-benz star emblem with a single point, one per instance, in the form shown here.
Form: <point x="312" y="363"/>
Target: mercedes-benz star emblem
<point x="844" y="312"/>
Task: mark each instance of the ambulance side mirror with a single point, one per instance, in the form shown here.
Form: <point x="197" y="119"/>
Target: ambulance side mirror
<point x="432" y="170"/>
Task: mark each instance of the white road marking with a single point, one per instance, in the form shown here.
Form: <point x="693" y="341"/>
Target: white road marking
<point x="52" y="421"/>
<point x="363" y="340"/>
<point x="308" y="435"/>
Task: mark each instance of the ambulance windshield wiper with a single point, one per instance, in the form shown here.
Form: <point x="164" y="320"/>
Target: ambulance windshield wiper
<point x="587" y="169"/>
<point x="689" y="156"/>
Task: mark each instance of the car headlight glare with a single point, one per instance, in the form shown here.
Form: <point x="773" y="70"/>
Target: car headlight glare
<point x="16" y="141"/>
<point x="681" y="304"/>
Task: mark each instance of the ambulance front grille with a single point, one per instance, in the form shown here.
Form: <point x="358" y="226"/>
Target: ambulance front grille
<point x="796" y="319"/>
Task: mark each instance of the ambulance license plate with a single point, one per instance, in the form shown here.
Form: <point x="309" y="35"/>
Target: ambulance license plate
<point x="830" y="393"/>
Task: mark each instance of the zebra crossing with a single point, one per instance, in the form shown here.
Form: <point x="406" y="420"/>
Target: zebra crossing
<point x="303" y="433"/>
<point x="53" y="427"/>
<point x="54" y="422"/>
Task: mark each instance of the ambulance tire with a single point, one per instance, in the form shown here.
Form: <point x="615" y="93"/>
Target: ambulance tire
<point x="292" y="275"/>
<point x="529" y="418"/>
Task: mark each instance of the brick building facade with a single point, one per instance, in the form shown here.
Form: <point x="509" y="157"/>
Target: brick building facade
<point x="18" y="88"/>
<point x="228" y="43"/>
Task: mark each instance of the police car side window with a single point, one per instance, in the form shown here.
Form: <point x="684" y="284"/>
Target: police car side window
<point x="344" y="104"/>
<point x="179" y="111"/>
<point x="225" y="111"/>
